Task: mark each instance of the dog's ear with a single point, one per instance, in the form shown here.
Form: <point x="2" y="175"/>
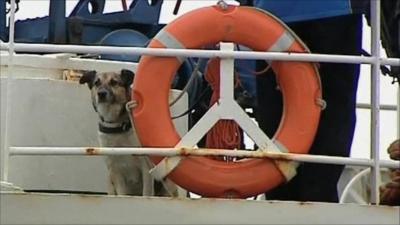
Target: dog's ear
<point x="88" y="77"/>
<point x="127" y="77"/>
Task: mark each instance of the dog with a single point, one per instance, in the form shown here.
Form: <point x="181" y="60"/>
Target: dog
<point x="128" y="175"/>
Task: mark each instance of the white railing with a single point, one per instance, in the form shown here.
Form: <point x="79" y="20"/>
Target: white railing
<point x="305" y="57"/>
<point x="11" y="51"/>
<point x="375" y="60"/>
<point x="375" y="97"/>
<point x="168" y="152"/>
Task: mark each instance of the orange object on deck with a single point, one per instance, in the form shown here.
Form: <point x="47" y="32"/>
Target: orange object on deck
<point x="299" y="83"/>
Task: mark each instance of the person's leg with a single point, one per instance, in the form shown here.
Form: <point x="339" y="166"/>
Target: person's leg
<point x="268" y="115"/>
<point x="339" y="35"/>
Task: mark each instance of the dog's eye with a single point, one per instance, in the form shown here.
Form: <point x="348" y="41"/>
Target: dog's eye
<point x="113" y="82"/>
<point x="97" y="82"/>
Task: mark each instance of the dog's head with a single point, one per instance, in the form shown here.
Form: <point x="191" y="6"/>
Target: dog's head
<point x="110" y="92"/>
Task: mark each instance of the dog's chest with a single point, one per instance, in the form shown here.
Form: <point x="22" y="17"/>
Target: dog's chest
<point x="125" y="139"/>
<point x="128" y="166"/>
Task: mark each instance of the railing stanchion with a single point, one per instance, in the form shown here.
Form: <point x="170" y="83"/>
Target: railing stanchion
<point x="375" y="99"/>
<point x="8" y="97"/>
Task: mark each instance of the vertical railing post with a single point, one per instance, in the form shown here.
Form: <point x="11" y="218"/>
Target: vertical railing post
<point x="375" y="99"/>
<point x="8" y="97"/>
<point x="227" y="74"/>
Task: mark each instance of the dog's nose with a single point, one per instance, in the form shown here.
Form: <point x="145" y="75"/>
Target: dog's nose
<point x="102" y="94"/>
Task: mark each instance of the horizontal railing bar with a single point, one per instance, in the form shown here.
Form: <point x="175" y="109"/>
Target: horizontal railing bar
<point x="94" y="151"/>
<point x="382" y="106"/>
<point x="390" y="61"/>
<point x="49" y="48"/>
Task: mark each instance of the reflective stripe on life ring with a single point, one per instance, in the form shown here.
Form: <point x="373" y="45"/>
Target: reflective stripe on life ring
<point x="299" y="83"/>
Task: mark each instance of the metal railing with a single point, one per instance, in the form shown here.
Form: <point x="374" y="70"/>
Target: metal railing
<point x="375" y="60"/>
<point x="182" y="151"/>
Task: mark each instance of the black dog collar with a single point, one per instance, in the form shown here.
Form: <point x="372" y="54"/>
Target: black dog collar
<point x="114" y="128"/>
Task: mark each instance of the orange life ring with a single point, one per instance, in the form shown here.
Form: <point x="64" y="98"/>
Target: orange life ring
<point x="299" y="83"/>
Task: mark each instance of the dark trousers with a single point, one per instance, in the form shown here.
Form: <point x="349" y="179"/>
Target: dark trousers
<point x="337" y="35"/>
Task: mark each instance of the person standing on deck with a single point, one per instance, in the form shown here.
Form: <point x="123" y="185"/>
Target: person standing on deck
<point x="326" y="27"/>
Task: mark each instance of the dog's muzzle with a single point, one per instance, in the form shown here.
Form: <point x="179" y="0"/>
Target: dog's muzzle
<point x="104" y="95"/>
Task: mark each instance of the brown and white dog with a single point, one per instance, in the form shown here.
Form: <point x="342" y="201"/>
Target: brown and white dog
<point x="128" y="175"/>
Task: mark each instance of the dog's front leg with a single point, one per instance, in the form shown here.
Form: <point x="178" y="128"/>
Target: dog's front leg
<point x="111" y="187"/>
<point x="148" y="183"/>
<point x="119" y="183"/>
<point x="148" y="180"/>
